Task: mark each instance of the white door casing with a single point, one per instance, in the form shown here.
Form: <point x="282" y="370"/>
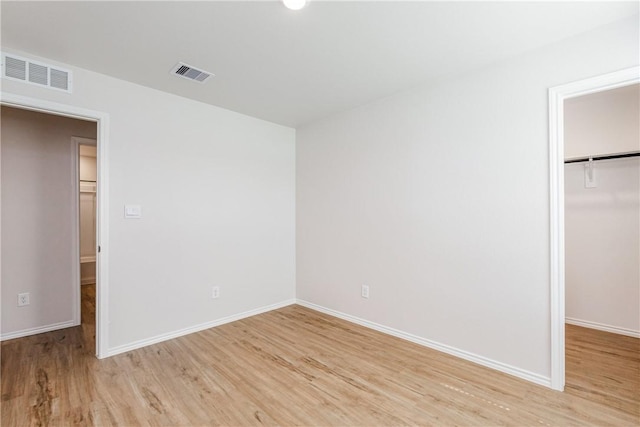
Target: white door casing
<point x="557" y="96"/>
<point x="102" y="191"/>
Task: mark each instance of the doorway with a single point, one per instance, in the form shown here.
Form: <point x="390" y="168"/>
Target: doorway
<point x="602" y="243"/>
<point x="602" y="199"/>
<point x="87" y="168"/>
<point x="557" y="98"/>
<point x="100" y="123"/>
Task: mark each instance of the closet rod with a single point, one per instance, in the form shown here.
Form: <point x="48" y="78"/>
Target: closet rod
<point x="605" y="157"/>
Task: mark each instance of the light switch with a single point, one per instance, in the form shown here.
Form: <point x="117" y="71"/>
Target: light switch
<point x="132" y="211"/>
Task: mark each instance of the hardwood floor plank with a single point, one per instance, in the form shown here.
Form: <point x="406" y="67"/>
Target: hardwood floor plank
<point x="295" y="366"/>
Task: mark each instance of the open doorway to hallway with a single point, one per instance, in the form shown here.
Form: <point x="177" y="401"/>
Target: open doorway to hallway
<point x="40" y="223"/>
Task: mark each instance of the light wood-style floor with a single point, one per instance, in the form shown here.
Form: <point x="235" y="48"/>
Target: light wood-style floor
<point x="295" y="366"/>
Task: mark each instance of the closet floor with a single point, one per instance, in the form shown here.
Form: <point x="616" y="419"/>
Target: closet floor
<point x="603" y="367"/>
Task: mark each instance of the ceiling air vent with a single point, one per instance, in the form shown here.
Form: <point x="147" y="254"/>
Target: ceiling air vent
<point x="188" y="72"/>
<point x="36" y="73"/>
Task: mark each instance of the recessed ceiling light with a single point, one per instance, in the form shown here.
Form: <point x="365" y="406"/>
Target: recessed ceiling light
<point x="294" y="4"/>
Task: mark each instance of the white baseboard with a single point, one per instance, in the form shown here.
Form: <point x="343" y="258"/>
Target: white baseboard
<point x="197" y="328"/>
<point x="480" y="360"/>
<point x="603" y="327"/>
<point x="38" y="330"/>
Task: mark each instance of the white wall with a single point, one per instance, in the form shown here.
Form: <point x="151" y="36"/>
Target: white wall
<point x="217" y="190"/>
<point x="602" y="123"/>
<point x="37" y="217"/>
<point x="602" y="246"/>
<point x="438" y="199"/>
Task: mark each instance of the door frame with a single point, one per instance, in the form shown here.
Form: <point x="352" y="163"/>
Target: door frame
<point x="102" y="221"/>
<point x="557" y="96"/>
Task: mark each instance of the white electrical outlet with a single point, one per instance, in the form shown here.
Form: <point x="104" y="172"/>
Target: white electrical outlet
<point x="215" y="292"/>
<point x="23" y="299"/>
<point x="365" y="291"/>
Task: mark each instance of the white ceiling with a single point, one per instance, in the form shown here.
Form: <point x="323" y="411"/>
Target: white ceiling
<point x="293" y="67"/>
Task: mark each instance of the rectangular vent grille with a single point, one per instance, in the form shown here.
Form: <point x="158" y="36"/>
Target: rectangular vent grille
<point x="60" y="79"/>
<point x="188" y="72"/>
<point x="36" y="73"/>
<point x="15" y="68"/>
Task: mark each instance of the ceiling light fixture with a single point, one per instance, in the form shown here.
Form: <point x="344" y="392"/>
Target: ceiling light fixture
<point x="294" y="4"/>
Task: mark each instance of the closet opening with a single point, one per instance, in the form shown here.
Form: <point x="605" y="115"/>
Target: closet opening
<point x="594" y="176"/>
<point x="87" y="167"/>
<point x="602" y="242"/>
